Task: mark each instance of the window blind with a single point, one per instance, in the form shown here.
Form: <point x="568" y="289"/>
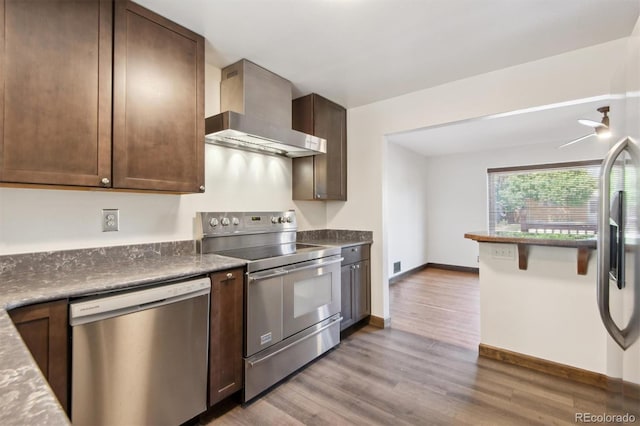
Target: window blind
<point x="546" y="198"/>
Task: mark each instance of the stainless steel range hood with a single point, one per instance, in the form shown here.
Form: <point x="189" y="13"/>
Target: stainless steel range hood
<point x="257" y="117"/>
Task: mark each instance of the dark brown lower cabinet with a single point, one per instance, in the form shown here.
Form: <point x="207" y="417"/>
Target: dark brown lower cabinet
<point x="44" y="329"/>
<point x="346" y="296"/>
<point x="356" y="285"/>
<point x="225" y="343"/>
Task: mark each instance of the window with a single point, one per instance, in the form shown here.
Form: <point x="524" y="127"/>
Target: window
<point x="548" y="198"/>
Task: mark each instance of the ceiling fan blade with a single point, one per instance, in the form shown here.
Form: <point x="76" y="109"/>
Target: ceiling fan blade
<point x="577" y="140"/>
<point x="591" y="123"/>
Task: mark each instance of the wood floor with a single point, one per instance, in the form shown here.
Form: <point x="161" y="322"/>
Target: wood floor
<point x="423" y="370"/>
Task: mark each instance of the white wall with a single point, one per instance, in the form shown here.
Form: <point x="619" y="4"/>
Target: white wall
<point x="547" y="311"/>
<point x="574" y="75"/>
<point x="457" y="193"/>
<point x="38" y="220"/>
<point x="407" y="208"/>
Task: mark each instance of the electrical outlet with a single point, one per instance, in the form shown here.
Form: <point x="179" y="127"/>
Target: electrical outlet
<point x="396" y="267"/>
<point x="110" y="220"/>
<point x="503" y="251"/>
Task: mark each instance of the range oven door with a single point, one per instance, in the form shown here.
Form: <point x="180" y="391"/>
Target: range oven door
<point x="311" y="293"/>
<point x="283" y="301"/>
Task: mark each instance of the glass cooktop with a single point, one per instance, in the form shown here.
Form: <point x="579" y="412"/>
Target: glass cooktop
<point x="266" y="252"/>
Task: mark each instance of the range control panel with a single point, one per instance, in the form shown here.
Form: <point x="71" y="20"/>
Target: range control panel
<point x="222" y="223"/>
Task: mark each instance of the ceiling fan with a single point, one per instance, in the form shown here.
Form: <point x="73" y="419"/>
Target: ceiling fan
<point x="600" y="128"/>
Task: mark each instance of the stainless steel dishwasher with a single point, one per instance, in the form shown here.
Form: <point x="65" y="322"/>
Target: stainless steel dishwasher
<point x="140" y="357"/>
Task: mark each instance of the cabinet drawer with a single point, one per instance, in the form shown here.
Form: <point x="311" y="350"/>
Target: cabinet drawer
<point x="355" y="253"/>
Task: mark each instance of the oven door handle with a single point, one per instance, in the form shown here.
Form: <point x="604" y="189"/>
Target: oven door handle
<point x="315" y="333"/>
<point x="294" y="268"/>
<point x="290" y="269"/>
<point x="265" y="275"/>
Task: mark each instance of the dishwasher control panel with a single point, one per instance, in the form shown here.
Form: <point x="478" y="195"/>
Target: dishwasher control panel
<point x="85" y="311"/>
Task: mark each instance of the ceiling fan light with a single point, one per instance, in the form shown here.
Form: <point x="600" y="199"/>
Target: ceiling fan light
<point x="601" y="128"/>
<point x="590" y="123"/>
<point x="603" y="132"/>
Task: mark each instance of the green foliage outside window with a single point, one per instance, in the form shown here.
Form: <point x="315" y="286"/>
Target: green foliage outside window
<point x="561" y="187"/>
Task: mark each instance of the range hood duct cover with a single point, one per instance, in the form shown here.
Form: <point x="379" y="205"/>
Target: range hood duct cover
<point x="257" y="117"/>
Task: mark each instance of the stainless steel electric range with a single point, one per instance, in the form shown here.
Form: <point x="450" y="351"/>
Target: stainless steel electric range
<point x="291" y="292"/>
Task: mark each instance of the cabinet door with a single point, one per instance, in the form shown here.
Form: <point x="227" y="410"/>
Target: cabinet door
<point x="362" y="289"/>
<point x="346" y="296"/>
<point x="330" y="169"/>
<point x="225" y="345"/>
<point x="44" y="329"/>
<point x="323" y="176"/>
<point x="158" y="109"/>
<point x="55" y="91"/>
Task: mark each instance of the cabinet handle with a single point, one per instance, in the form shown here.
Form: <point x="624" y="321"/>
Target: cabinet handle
<point x="229" y="275"/>
<point x="201" y="188"/>
<point x="105" y="181"/>
<point x="357" y="266"/>
<point x="354" y="249"/>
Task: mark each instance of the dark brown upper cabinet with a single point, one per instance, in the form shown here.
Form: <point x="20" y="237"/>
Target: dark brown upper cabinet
<point x="55" y="91"/>
<point x="158" y="102"/>
<point x="323" y="176"/>
<point x="58" y="107"/>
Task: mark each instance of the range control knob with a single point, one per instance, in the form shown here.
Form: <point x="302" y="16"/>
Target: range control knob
<point x="281" y="219"/>
<point x="235" y="221"/>
<point x="288" y="219"/>
<point x="225" y="221"/>
<point x="274" y="219"/>
<point x="214" y="222"/>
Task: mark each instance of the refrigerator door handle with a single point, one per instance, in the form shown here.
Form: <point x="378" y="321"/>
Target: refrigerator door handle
<point x="624" y="338"/>
<point x="616" y="239"/>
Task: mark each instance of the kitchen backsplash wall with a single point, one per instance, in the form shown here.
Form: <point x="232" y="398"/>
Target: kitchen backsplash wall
<point x="33" y="220"/>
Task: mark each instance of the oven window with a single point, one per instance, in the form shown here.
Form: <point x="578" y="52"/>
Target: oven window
<point x="310" y="294"/>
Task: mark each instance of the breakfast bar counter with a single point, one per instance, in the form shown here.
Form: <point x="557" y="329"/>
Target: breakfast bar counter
<point x="585" y="243"/>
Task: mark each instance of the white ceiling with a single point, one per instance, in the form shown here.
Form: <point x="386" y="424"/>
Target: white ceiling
<point x="355" y="52"/>
<point x="552" y="124"/>
<point x="360" y="51"/>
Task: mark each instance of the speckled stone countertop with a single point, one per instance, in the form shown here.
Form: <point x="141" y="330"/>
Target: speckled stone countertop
<point x="25" y="397"/>
<point x="554" y="240"/>
<point x="335" y="237"/>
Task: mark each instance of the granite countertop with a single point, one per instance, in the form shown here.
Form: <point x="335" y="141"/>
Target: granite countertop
<point x="21" y="287"/>
<point x="25" y="396"/>
<point x="585" y="241"/>
<point x="335" y="237"/>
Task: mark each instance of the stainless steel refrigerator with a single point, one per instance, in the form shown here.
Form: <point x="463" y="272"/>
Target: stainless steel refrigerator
<point x="618" y="288"/>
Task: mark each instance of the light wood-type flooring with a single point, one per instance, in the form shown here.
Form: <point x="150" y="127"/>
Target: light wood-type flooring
<point x="423" y="370"/>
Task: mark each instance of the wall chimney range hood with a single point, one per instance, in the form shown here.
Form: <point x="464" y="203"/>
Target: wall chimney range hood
<point x="257" y="117"/>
